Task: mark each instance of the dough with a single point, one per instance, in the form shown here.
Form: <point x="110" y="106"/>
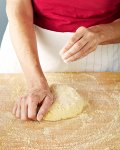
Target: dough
<point x="67" y="103"/>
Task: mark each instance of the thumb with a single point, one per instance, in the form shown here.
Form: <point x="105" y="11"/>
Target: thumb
<point x="44" y="108"/>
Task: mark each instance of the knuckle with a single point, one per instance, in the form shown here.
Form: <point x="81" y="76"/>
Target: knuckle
<point x="84" y="51"/>
<point x="92" y="49"/>
<point x="77" y="56"/>
<point x="22" y="100"/>
<point x="51" y="101"/>
<point x="74" y="58"/>
<point x="78" y="44"/>
<point x="70" y="53"/>
<point x="82" y="28"/>
<point x="85" y="39"/>
<point x="42" y="112"/>
<point x="72" y="40"/>
<point x="90" y="35"/>
<point x="31" y="98"/>
<point x="85" y="54"/>
<point x="50" y="96"/>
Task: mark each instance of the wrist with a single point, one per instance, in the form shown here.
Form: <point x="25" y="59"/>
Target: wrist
<point x="104" y="32"/>
<point x="36" y="82"/>
<point x="101" y="32"/>
<point x="97" y="30"/>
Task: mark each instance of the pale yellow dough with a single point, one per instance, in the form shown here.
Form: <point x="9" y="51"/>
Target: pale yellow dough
<point x="67" y="103"/>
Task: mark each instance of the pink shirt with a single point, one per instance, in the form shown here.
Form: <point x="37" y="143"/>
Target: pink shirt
<point x="68" y="15"/>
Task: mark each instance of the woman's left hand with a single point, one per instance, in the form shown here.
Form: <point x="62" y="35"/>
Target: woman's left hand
<point x="83" y="42"/>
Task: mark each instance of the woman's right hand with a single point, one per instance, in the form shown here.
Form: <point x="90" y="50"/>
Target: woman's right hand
<point x="35" y="105"/>
<point x="20" y="16"/>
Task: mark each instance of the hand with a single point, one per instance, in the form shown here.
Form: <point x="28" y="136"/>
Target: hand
<point x="83" y="42"/>
<point x="35" y="105"/>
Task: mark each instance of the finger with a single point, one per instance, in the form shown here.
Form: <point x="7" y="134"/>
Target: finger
<point x="14" y="109"/>
<point x="75" y="48"/>
<point x="81" y="54"/>
<point x="24" y="109"/>
<point x="88" y="52"/>
<point x="18" y="111"/>
<point x="44" y="108"/>
<point x="32" y="107"/>
<point x="76" y="36"/>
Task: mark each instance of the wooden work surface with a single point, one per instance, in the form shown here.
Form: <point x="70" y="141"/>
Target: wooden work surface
<point x="97" y="128"/>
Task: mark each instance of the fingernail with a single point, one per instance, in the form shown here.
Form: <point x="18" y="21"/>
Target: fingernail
<point x="66" y="61"/>
<point x="40" y="117"/>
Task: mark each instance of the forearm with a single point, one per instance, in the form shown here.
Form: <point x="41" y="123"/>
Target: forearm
<point x="24" y="41"/>
<point x="108" y="33"/>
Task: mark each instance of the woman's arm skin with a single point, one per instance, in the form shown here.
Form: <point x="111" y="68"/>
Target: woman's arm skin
<point x="86" y="40"/>
<point x="20" y="15"/>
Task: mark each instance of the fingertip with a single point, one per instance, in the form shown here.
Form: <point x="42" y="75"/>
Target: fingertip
<point x="44" y="108"/>
<point x="66" y="61"/>
<point x="32" y="116"/>
<point x="17" y="116"/>
<point x="24" y="119"/>
<point x="39" y="117"/>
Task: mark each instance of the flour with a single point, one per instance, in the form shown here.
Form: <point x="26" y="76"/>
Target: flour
<point x="97" y="128"/>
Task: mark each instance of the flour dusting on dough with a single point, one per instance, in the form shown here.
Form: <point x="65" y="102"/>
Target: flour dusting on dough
<point x="67" y="103"/>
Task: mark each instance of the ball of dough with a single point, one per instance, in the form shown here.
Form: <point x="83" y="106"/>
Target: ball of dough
<point x="67" y="103"/>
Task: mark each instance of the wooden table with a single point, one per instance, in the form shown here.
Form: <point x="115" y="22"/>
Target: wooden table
<point x="97" y="128"/>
